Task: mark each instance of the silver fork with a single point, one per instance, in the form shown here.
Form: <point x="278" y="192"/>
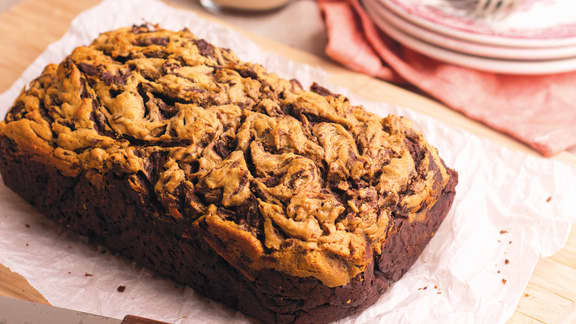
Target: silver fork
<point x="500" y="8"/>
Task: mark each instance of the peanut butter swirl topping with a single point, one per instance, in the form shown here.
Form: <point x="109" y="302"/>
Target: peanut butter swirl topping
<point x="271" y="175"/>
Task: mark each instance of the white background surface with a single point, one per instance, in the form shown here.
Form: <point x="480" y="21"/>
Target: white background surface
<point x="499" y="190"/>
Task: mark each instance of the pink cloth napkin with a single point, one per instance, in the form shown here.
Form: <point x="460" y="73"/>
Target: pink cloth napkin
<point x="537" y="110"/>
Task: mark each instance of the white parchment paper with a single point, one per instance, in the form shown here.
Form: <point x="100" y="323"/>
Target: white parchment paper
<point x="501" y="212"/>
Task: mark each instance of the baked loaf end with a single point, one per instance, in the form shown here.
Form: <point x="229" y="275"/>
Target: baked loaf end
<point x="174" y="152"/>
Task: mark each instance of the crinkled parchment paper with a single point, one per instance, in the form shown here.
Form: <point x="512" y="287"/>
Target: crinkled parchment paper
<point x="501" y="212"/>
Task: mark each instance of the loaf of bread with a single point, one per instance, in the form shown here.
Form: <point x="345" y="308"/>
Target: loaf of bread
<point x="292" y="206"/>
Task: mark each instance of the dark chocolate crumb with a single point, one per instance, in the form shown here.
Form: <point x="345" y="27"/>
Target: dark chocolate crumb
<point x="320" y="90"/>
<point x="121" y="289"/>
<point x="160" y="41"/>
<point x="88" y="274"/>
<point x="504" y="281"/>
<point x="498" y="271"/>
<point x="503" y="231"/>
<point x="506" y="261"/>
<point x="27" y="225"/>
<point x="69" y="272"/>
<point x="548" y="199"/>
<point x="27" y="244"/>
<point x="296" y="84"/>
<point x="426" y="287"/>
<point x="205" y="48"/>
<point x="509" y="242"/>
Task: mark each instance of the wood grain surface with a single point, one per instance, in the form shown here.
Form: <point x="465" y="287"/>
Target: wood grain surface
<point x="27" y="28"/>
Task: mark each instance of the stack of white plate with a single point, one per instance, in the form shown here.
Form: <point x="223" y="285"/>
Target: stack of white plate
<point x="539" y="37"/>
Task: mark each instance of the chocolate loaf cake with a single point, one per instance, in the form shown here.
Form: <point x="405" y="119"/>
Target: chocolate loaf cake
<point x="292" y="206"/>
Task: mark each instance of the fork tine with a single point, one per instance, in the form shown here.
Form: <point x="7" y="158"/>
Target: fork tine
<point x="498" y="8"/>
<point x="507" y="7"/>
<point x="491" y="7"/>
<point x="478" y="11"/>
<point x="511" y="5"/>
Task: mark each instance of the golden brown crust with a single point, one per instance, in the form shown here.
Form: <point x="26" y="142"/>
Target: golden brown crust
<point x="273" y="176"/>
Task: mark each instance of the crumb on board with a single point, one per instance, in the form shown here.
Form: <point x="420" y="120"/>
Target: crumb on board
<point x="438" y="293"/>
<point x="506" y="261"/>
<point x="435" y="286"/>
<point x="504" y="281"/>
<point x="86" y="274"/>
<point x="498" y="272"/>
<point x="69" y="272"/>
<point x="27" y="244"/>
<point x="526" y="295"/>
<point x="509" y="242"/>
<point x="27" y="225"/>
<point x="503" y="231"/>
<point x="121" y="289"/>
<point x="549" y="198"/>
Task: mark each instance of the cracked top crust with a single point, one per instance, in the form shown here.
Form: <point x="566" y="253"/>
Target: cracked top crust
<point x="273" y="176"/>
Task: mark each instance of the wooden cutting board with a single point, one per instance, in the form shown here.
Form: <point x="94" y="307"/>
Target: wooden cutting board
<point x="27" y="28"/>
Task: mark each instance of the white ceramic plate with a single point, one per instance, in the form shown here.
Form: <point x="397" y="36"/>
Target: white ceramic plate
<point x="476" y="62"/>
<point x="459" y="45"/>
<point x="483" y="38"/>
